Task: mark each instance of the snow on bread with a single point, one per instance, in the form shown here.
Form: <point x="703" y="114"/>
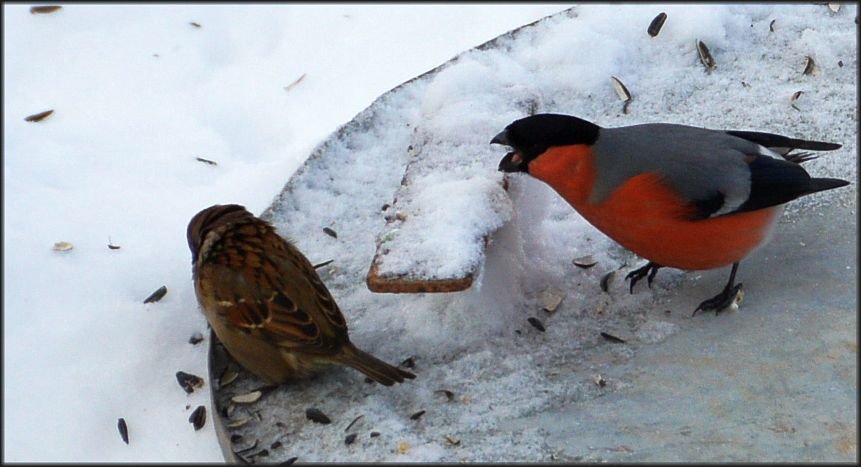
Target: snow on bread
<point x="451" y="198"/>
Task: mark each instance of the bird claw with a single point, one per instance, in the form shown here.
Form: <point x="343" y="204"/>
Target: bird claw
<point x="648" y="271"/>
<point x="722" y="301"/>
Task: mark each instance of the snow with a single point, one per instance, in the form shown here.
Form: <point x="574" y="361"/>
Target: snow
<point x="139" y="93"/>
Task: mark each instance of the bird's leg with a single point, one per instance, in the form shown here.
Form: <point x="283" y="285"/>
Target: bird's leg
<point x="649" y="269"/>
<point x="723" y="299"/>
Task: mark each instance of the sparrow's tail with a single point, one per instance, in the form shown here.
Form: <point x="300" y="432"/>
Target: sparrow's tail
<point x="371" y="366"/>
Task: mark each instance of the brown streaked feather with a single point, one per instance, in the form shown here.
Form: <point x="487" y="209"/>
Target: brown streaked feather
<point x="266" y="302"/>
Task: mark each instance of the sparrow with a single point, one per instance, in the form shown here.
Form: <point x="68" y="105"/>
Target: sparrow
<point x="679" y="196"/>
<point x="266" y="303"/>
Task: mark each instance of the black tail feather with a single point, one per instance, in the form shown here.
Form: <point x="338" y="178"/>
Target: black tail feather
<point x="778" y="142"/>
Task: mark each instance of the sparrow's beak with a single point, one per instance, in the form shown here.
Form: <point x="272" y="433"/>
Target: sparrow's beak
<point x="512" y="162"/>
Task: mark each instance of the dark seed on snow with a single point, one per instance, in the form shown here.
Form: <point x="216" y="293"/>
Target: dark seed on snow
<point x="330" y="232"/>
<point x="194" y="24"/>
<point x="353" y="423"/>
<point x="448" y="394"/>
<point x="157" y="295"/>
<point x="206" y="161"/>
<point x="315" y="415"/>
<point x="275" y="445"/>
<point x="374" y="434"/>
<point x="417" y="415"/>
<point x="350" y="439"/>
<point x="771" y="25"/>
<point x="536" y="324"/>
<point x="39" y="116"/>
<point x="605" y="281"/>
<point x="235" y="438"/>
<point x="409" y="362"/>
<point x="124" y="429"/>
<point x="198" y="417"/>
<point x="289" y="461"/>
<point x="657" y="24"/>
<point x="188" y="381"/>
<point x="195" y="338"/>
<point x="249" y="448"/>
<point x="705" y="56"/>
<point x="612" y="338"/>
<point x="44" y="9"/>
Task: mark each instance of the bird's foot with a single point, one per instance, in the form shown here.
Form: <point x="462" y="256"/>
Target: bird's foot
<point x="730" y="297"/>
<point x="650" y="269"/>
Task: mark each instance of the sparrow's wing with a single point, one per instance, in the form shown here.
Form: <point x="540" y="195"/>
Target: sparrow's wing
<point x="277" y="295"/>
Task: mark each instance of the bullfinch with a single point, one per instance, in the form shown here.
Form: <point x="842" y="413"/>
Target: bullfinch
<point x="679" y="196"/>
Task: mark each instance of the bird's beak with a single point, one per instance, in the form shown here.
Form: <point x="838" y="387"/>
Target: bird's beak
<point x="512" y="162"/>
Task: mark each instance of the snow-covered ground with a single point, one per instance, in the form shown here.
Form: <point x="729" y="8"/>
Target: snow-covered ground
<point x="139" y="93"/>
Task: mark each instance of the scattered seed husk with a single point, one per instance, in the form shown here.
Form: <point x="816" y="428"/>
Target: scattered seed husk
<point x="350" y="439"/>
<point x="550" y="299"/>
<point x="63" y="246"/>
<point x="448" y="394"/>
<point x="600" y="381"/>
<point x="157" y="295"/>
<point x="39" y="116"/>
<point x="625" y="106"/>
<point x="409" y="362"/>
<point x="188" y="381"/>
<point x="605" y="281"/>
<point x="239" y="423"/>
<point x="403" y="447"/>
<point x="585" y="262"/>
<point x="316" y="415"/>
<point x="206" y="161"/>
<point x="124" y="429"/>
<point x="228" y="377"/>
<point x="794" y="99"/>
<point x="417" y="415"/>
<point x="705" y="56"/>
<point x="656" y="24"/>
<point x="330" y="232"/>
<point x="247" y="398"/>
<point x="353" y="423"/>
<point x="198" y="417"/>
<point x="387" y="205"/>
<point x="249" y="448"/>
<point x="374" y="434"/>
<point x="452" y="440"/>
<point x="536" y="323"/>
<point x="111" y="246"/>
<point x="195" y="338"/>
<point x="840" y="63"/>
<point x="810" y="67"/>
<point x="324" y="263"/>
<point x="834" y="6"/>
<point x="235" y="437"/>
<point x="289" y="461"/>
<point x="195" y="24"/>
<point x="44" y="9"/>
<point x="621" y="90"/>
<point x="275" y="445"/>
<point x="771" y="25"/>
<point x="612" y="338"/>
<point x="295" y="83"/>
<point x="228" y="411"/>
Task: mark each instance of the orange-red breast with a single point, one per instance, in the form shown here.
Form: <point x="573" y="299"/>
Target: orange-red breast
<point x="267" y="304"/>
<point x="679" y="196"/>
